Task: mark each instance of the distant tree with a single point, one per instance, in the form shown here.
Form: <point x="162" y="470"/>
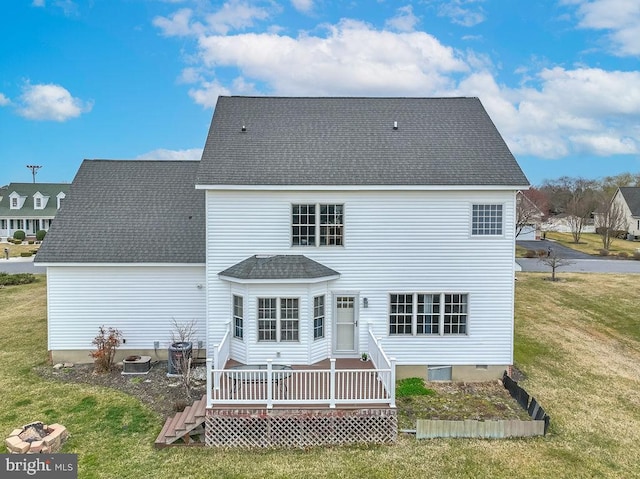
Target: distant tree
<point x="582" y="202"/>
<point x="527" y="213"/>
<point x="611" y="221"/>
<point x="610" y="184"/>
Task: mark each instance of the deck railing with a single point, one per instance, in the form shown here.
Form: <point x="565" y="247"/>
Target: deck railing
<point x="382" y="362"/>
<point x="273" y="386"/>
<point x="221" y="354"/>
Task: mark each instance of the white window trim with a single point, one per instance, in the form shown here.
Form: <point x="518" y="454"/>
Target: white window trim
<point x="489" y="203"/>
<point x="233" y="317"/>
<point x="278" y="320"/>
<point x="414" y="315"/>
<point x="318" y="225"/>
<point x="314" y="317"/>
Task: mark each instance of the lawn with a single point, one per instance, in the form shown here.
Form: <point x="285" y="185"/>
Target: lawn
<point x="16" y="250"/>
<point x="578" y="342"/>
<point x="591" y="243"/>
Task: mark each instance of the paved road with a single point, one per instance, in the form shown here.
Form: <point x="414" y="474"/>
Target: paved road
<point x="583" y="266"/>
<point x="20" y="265"/>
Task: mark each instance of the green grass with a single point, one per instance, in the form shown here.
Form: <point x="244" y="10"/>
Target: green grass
<point x="577" y="340"/>
<point x="591" y="243"/>
<point x="412" y="387"/>
<point x="15" y="250"/>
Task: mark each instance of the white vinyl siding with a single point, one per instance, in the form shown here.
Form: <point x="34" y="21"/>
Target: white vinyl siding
<point x="141" y="301"/>
<point x="396" y="241"/>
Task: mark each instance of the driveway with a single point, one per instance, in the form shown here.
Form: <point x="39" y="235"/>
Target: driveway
<point x="21" y="265"/>
<point x="561" y="251"/>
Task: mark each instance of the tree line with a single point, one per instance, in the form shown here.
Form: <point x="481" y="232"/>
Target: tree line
<point x="581" y="201"/>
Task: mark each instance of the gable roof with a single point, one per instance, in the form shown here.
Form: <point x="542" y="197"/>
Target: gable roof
<point x="129" y="212"/>
<point x="28" y="190"/>
<point x="352" y="141"/>
<point x="278" y="267"/>
<point x="631" y="195"/>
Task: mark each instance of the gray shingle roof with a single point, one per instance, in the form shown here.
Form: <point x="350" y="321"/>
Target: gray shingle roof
<point x="29" y="189"/>
<point x="129" y="212"/>
<point x="352" y="141"/>
<point x="278" y="267"/>
<point x="631" y="195"/>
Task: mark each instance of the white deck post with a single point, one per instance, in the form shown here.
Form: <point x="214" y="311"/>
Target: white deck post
<point x="209" y="399"/>
<point x="392" y="385"/>
<point x="269" y="383"/>
<point x="332" y="384"/>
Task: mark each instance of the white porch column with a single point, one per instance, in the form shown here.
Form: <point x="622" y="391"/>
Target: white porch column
<point x="269" y="383"/>
<point x="332" y="384"/>
<point x="392" y="385"/>
<point x="209" y="385"/>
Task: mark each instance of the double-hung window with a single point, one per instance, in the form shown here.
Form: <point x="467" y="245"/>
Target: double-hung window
<point x="318" y="317"/>
<point x="238" y="317"/>
<point x="435" y="314"/>
<point x="486" y="220"/>
<point x="317" y="225"/>
<point x="278" y="319"/>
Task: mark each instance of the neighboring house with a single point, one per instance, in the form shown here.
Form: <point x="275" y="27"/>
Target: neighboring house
<point x="562" y="224"/>
<point x="29" y="207"/>
<point x="628" y="197"/>
<point x="334" y="226"/>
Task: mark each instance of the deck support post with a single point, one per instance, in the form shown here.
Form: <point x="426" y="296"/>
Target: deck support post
<point x="216" y="382"/>
<point x="269" y="383"/>
<point x="332" y="384"/>
<point x="392" y="385"/>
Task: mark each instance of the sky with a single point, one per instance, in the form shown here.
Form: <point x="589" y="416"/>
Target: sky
<point x="138" y="79"/>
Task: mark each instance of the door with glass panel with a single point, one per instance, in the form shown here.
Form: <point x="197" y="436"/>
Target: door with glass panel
<point x="346" y="323"/>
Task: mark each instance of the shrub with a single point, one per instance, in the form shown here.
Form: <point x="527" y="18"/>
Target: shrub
<point x="106" y="343"/>
<point x="40" y="234"/>
<point x="636" y="255"/>
<point x="623" y="254"/>
<point x="16" y="241"/>
<point x="530" y="254"/>
<point x="26" y="254"/>
<point x="412" y="387"/>
<point x="7" y="279"/>
<point x="604" y="252"/>
<point x="30" y="242"/>
<point x="19" y="235"/>
<point x="541" y="253"/>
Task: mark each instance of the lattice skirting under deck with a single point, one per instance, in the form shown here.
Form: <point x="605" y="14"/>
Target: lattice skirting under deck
<point x="260" y="428"/>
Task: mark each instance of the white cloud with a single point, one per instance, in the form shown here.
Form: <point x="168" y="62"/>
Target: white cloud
<point x="462" y="12"/>
<point x="353" y="59"/>
<point x="4" y="101"/>
<point x="404" y="21"/>
<point x="303" y="6"/>
<point x="37" y="3"/>
<point x="191" y="154"/>
<point x="50" y="102"/>
<point x="208" y="92"/>
<point x="620" y="17"/>
<point x="235" y="15"/>
<point x="177" y="25"/>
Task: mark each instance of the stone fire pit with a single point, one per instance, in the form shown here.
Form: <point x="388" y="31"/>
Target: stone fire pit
<point x="37" y="437"/>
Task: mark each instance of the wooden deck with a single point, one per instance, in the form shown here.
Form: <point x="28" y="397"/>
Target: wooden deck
<point x="352" y="384"/>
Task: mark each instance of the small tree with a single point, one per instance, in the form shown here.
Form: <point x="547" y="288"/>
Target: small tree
<point x="19" y="235"/>
<point x="106" y="343"/>
<point x="527" y="212"/>
<point x="40" y="234"/>
<point x="182" y="334"/>
<point x="554" y="262"/>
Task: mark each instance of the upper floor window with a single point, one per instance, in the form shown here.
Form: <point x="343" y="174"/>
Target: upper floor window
<point x="317" y="225"/>
<point x="486" y="220"/>
<point x="14" y="202"/>
<point x="38" y="203"/>
<point x="412" y="314"/>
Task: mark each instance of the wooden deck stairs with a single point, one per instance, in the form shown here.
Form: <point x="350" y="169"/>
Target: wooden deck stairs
<point x="186" y="428"/>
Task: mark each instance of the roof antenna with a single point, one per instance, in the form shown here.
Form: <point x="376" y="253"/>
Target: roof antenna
<point x="34" y="170"/>
<point x="395" y="125"/>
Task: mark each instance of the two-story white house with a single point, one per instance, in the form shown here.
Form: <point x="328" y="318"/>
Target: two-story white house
<point x="312" y="229"/>
<point x="29" y="207"/>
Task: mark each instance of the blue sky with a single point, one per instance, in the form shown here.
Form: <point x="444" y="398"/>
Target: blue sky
<point x="127" y="79"/>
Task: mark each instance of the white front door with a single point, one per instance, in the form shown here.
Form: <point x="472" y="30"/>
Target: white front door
<point x="346" y="330"/>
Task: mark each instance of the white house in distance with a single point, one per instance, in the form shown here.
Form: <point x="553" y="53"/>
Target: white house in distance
<point x="29" y="207"/>
<point x="312" y="229"/>
<point x="628" y="198"/>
